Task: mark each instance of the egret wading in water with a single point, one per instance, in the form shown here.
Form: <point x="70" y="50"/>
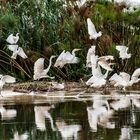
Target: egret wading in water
<point x="66" y="58"/>
<point x="39" y="71"/>
<point x="13" y="39"/>
<point x="6" y="79"/>
<point x="17" y="51"/>
<point x="92" y="31"/>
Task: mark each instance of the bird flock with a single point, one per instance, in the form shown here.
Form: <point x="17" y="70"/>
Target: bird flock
<point x="100" y="65"/>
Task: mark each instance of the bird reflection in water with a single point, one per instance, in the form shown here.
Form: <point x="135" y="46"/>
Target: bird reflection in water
<point x="42" y="112"/>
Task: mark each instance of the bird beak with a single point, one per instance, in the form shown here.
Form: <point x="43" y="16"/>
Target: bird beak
<point x="78" y="49"/>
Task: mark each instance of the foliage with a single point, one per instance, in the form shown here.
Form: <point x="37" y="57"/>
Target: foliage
<point x="46" y="27"/>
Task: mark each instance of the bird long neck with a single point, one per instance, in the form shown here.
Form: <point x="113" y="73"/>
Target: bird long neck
<point x="50" y="63"/>
<point x="106" y="74"/>
<point x="73" y="52"/>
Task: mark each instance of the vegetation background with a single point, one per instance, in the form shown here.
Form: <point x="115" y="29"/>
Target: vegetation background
<point x="47" y="27"/>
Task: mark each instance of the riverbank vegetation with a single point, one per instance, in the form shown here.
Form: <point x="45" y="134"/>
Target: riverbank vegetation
<point x="48" y="27"/>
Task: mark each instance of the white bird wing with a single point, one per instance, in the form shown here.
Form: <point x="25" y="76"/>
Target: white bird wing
<point x="135" y="74"/>
<point x="39" y="66"/>
<point x="125" y="76"/>
<point x="108" y="57"/>
<point x="91" y="27"/>
<point x="60" y="59"/>
<point x="116" y="78"/>
<point x="68" y="56"/>
<point x="10" y="39"/>
<point x="9" y="79"/>
<point x="12" y="48"/>
<point x="121" y="48"/>
<point x="104" y="65"/>
<point x="22" y="53"/>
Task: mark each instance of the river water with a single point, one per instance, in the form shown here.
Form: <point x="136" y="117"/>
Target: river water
<point x="70" y="116"/>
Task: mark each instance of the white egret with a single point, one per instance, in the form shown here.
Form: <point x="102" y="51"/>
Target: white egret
<point x="92" y="31"/>
<point x="23" y="136"/>
<point x="39" y="71"/>
<point x="17" y="51"/>
<point x="121" y="104"/>
<point x="6" y="79"/>
<point x="12" y="39"/>
<point x="124" y="79"/>
<point x="68" y="131"/>
<point x="123" y="52"/>
<point x="91" y="51"/>
<point x="66" y="58"/>
<point x="7" y="114"/>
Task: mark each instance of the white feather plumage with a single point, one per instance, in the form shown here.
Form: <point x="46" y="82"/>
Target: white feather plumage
<point x="92" y="31"/>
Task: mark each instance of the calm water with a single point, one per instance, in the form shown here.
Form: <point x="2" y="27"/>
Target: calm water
<point x="56" y="117"/>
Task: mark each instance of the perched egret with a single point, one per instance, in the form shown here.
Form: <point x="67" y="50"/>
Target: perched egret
<point x="92" y="31"/>
<point x="124" y="79"/>
<point x="21" y="136"/>
<point x="39" y="71"/>
<point x="12" y="39"/>
<point x="123" y="52"/>
<point x="91" y="52"/>
<point x="17" y="51"/>
<point x="6" y="79"/>
<point x="66" y="58"/>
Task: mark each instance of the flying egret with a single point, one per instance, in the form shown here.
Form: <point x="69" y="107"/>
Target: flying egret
<point x="124" y="79"/>
<point x="13" y="39"/>
<point x="66" y="58"/>
<point x="17" y="51"/>
<point x="6" y="79"/>
<point x="123" y="52"/>
<point x="39" y="71"/>
<point x="92" y="31"/>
